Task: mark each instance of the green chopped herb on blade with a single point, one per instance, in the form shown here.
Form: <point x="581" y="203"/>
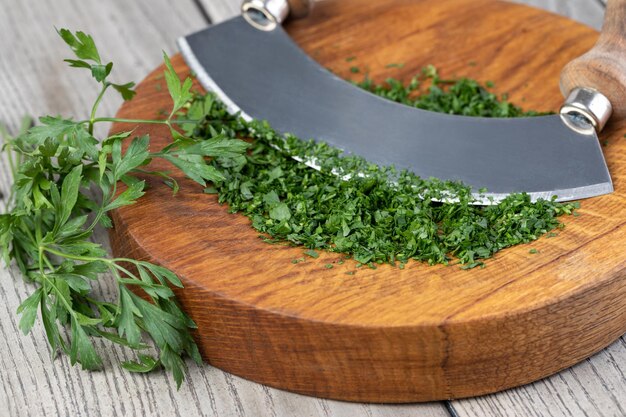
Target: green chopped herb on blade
<point x="463" y="96"/>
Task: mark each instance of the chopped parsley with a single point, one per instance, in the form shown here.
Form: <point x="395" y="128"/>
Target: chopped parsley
<point x="369" y="217"/>
<point x="463" y="96"/>
<point x="311" y="253"/>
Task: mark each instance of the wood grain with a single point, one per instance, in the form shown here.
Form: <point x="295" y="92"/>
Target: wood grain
<point x="313" y="330"/>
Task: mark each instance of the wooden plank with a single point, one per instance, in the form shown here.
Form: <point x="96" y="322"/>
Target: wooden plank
<point x="34" y="80"/>
<point x="593" y="388"/>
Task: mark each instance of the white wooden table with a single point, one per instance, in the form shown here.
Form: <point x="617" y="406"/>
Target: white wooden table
<point x="34" y="80"/>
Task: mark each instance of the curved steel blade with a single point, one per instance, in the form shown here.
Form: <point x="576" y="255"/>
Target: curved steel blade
<point x="265" y="75"/>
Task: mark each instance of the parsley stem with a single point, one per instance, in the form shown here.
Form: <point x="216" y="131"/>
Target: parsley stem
<point x="60" y="295"/>
<point x="95" y="221"/>
<point x="11" y="161"/>
<point x="86" y="258"/>
<point x="100" y="212"/>
<point x="44" y="259"/>
<point x="122" y="120"/>
<point x="12" y="165"/>
<point x="38" y="234"/>
<point x="137" y="121"/>
<point x="40" y="261"/>
<point x="70" y="256"/>
<point x="92" y="116"/>
<point x="28" y="232"/>
<point x="48" y="263"/>
<point x="8" y="146"/>
<point x="124" y="270"/>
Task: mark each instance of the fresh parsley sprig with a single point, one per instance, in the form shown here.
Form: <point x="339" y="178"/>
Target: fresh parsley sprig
<point x="50" y="218"/>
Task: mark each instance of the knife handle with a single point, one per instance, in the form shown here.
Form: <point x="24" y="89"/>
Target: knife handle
<point x="600" y="74"/>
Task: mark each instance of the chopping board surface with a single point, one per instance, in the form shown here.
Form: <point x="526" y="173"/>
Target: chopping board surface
<point x="386" y="334"/>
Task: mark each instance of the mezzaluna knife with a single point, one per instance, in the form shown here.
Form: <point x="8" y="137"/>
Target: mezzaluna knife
<point x="254" y="67"/>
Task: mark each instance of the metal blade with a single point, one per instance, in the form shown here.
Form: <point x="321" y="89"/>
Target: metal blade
<point x="265" y="75"/>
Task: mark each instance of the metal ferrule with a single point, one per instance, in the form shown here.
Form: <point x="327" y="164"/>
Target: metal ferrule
<point x="590" y="104"/>
<point x="265" y="14"/>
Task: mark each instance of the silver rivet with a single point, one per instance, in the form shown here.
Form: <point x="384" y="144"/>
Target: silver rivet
<point x="265" y="14"/>
<point x="590" y="104"/>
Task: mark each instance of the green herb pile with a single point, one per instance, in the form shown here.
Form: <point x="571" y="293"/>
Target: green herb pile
<point x="462" y="96"/>
<point x="50" y="217"/>
<point x="377" y="215"/>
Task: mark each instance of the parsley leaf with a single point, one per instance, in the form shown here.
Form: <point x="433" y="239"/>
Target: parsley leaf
<point x="82" y="44"/>
<point x="180" y="92"/>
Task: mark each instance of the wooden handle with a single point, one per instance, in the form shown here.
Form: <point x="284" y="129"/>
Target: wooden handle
<point x="603" y="68"/>
<point x="300" y="8"/>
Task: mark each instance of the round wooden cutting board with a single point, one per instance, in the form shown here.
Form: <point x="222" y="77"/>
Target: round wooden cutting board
<point x="391" y="335"/>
